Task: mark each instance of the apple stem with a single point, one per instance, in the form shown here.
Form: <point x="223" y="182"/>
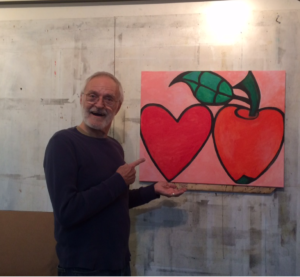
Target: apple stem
<point x="251" y="88"/>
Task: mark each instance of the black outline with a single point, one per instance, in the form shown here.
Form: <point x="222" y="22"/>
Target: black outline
<point x="177" y="120"/>
<point x="275" y="157"/>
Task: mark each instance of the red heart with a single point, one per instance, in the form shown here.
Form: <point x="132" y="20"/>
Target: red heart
<point x="173" y="143"/>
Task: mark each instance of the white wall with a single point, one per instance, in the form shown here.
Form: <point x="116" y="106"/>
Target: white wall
<point x="104" y="10"/>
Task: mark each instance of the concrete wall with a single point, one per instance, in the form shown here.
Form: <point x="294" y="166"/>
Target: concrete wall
<point x="47" y="52"/>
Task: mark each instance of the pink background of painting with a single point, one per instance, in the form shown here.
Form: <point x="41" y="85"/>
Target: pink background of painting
<point x="206" y="168"/>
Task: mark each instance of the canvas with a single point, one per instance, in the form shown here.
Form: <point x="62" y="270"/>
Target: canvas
<point x="205" y="127"/>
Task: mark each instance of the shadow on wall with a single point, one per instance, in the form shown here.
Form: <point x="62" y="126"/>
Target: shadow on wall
<point x="164" y="214"/>
<point x="158" y="214"/>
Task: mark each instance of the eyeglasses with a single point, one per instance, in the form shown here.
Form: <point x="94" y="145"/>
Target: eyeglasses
<point x="93" y="98"/>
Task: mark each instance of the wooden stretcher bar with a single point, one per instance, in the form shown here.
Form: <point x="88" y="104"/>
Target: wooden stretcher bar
<point x="227" y="188"/>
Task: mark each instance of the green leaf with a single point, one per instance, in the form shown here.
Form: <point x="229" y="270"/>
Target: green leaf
<point x="208" y="87"/>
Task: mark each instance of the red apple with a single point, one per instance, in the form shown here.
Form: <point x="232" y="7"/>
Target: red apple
<point x="248" y="145"/>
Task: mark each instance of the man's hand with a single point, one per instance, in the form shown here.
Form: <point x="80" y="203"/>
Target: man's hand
<point x="168" y="189"/>
<point x="127" y="171"/>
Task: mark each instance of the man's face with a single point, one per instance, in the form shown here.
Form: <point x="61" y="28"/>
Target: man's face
<point x="100" y="103"/>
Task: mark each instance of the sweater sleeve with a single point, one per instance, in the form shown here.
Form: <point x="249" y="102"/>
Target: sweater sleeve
<point x="142" y="196"/>
<point x="71" y="206"/>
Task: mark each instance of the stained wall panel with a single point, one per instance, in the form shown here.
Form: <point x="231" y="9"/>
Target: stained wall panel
<point x="43" y="65"/>
<point x="213" y="233"/>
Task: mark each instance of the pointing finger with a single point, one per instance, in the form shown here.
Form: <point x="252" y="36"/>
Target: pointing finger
<point x="137" y="162"/>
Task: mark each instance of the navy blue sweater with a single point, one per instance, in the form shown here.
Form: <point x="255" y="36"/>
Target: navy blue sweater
<point x="90" y="200"/>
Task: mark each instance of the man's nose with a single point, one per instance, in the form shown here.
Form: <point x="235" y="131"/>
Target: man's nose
<point x="100" y="102"/>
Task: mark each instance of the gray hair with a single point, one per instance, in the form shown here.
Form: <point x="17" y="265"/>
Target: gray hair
<point x="109" y="75"/>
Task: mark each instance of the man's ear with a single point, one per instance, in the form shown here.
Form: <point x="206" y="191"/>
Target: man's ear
<point x="81" y="99"/>
<point x="119" y="107"/>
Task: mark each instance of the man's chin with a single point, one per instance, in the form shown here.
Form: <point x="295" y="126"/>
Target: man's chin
<point x="96" y="126"/>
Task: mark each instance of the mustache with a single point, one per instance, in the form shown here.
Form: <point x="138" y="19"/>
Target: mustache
<point x="98" y="110"/>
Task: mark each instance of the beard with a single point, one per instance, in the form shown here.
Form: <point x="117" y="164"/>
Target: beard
<point x="98" y="119"/>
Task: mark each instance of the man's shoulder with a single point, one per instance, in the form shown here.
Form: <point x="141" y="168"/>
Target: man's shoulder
<point x="65" y="133"/>
<point x="73" y="135"/>
<point x="59" y="142"/>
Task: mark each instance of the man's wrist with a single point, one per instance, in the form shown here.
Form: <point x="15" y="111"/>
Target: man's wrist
<point x="155" y="190"/>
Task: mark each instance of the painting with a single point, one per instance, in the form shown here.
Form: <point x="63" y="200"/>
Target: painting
<point x="213" y="127"/>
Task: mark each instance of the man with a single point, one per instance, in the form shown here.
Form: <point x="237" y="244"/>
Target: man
<point x="88" y="182"/>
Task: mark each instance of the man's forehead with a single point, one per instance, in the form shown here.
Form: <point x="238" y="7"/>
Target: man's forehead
<point x="102" y="83"/>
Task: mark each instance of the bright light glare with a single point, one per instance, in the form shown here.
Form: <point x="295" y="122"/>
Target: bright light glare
<point x="226" y="20"/>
